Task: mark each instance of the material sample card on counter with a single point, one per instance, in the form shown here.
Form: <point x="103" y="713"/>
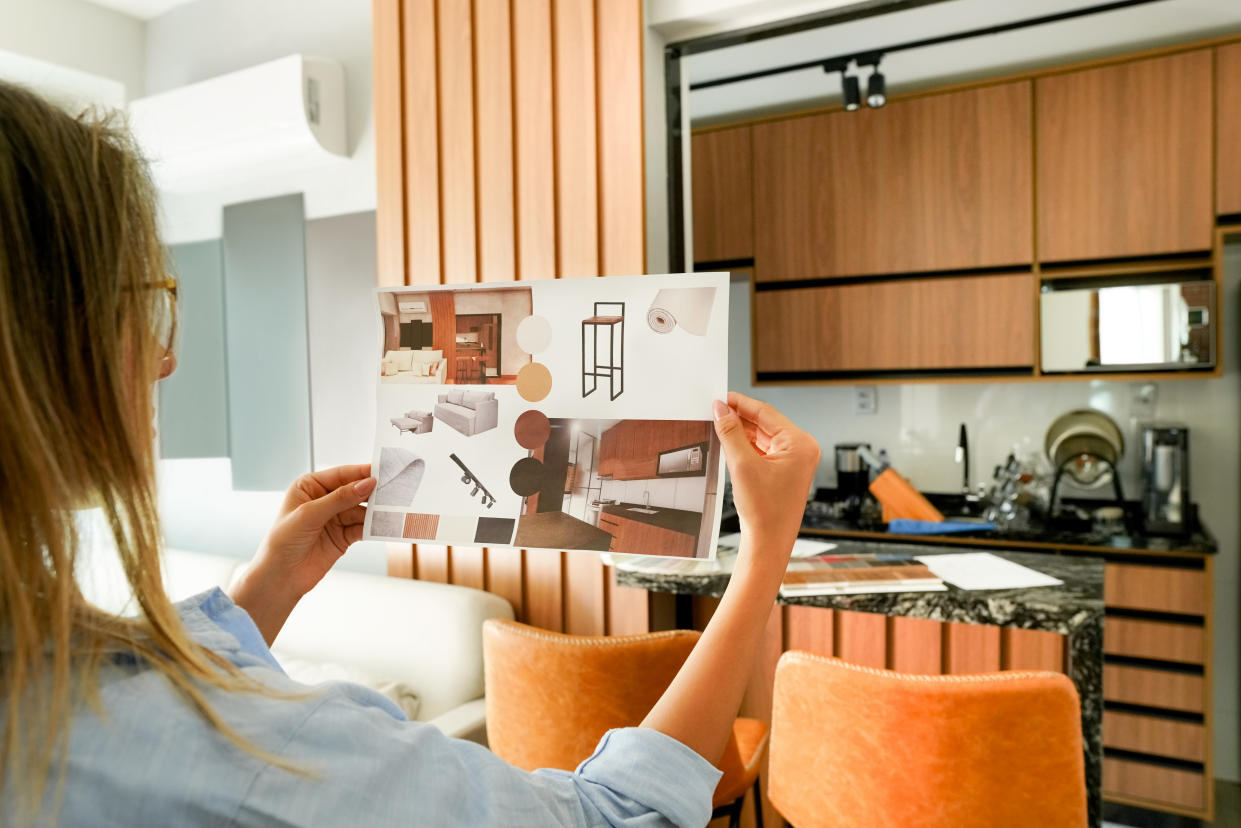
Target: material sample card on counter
<point x="564" y="414"/>
<point x="856" y="574"/>
<point x="982" y="570"/>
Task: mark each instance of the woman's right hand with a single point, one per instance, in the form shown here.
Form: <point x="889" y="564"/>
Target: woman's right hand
<point x="771" y="463"/>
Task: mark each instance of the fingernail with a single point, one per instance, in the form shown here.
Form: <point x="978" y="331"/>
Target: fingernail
<point x="364" y="487"/>
<point x="719" y="409"/>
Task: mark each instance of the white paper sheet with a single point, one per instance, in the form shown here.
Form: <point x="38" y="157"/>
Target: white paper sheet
<point x="802" y="547"/>
<point x="982" y="570"/>
<point x="550" y="414"/>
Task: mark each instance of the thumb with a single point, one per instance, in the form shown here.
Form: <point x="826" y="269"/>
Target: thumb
<point x="333" y="503"/>
<point x="732" y="435"/>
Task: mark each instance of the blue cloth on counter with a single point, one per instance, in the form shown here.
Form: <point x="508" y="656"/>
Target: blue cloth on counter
<point x="905" y="526"/>
<point x="151" y="759"/>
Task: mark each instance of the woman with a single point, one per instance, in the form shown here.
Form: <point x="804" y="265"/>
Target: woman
<point x="181" y="715"/>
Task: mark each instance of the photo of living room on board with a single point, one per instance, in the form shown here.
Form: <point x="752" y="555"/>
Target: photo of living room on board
<point x="453" y="337"/>
<point x="644" y="487"/>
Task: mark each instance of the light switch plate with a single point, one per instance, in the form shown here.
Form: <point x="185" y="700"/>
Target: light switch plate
<point x="865" y="399"/>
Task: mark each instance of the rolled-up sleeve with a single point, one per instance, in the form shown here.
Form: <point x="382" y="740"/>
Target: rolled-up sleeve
<point x="368" y="769"/>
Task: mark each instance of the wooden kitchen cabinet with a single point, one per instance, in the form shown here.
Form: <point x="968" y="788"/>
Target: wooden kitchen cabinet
<point x="722" y="198"/>
<point x="630" y="449"/>
<point x="1124" y="157"/>
<point x="633" y="537"/>
<point x="935" y="183"/>
<point x="1228" y="129"/>
<point x="934" y="324"/>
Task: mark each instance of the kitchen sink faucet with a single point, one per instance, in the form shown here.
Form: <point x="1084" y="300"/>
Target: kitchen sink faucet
<point x="646" y="499"/>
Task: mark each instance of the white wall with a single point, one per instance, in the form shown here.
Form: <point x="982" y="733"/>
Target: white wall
<point x="211" y="37"/>
<point x="76" y="35"/>
<point x="918" y="425"/>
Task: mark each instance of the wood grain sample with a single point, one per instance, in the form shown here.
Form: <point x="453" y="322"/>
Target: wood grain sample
<point x="1124" y="159"/>
<point x="722" y="196"/>
<point x="932" y="323"/>
<point x="941" y="182"/>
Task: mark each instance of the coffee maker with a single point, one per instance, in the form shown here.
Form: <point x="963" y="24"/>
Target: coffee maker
<point x="1165" y="479"/>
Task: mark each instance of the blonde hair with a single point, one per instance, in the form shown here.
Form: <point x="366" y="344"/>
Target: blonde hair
<point x="79" y="250"/>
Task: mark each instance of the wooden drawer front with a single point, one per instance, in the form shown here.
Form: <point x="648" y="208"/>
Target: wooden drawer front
<point x="974" y="322"/>
<point x="1154" y="784"/>
<point x="1155" y="588"/>
<point x="1149" y="734"/>
<point x="1154" y="639"/>
<point x="1153" y="688"/>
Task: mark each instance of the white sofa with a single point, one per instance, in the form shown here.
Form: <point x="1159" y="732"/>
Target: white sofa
<point x="408" y="367"/>
<point x="470" y="412"/>
<point x="424" y="636"/>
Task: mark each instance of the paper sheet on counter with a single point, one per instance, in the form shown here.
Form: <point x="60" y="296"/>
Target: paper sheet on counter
<point x="982" y="570"/>
<point x="802" y="547"/>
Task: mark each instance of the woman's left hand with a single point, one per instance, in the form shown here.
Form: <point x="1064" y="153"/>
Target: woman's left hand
<point x="320" y="518"/>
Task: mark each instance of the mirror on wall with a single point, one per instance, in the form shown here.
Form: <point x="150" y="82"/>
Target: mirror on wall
<point x="1163" y="326"/>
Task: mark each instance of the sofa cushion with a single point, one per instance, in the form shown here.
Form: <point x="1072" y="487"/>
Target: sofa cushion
<point x="403" y="360"/>
<point x="471" y="399"/>
<point x="306" y="671"/>
<point x="455" y="397"/>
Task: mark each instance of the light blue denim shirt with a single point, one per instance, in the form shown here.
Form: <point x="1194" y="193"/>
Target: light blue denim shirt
<point x="152" y="760"/>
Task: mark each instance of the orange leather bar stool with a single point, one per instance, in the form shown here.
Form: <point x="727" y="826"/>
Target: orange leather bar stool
<point x="857" y="746"/>
<point x="551" y="697"/>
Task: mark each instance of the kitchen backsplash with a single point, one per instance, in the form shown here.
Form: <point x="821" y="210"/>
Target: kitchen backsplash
<point x="667" y="492"/>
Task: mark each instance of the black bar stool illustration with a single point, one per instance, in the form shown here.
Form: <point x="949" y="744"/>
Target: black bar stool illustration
<point x="615" y="367"/>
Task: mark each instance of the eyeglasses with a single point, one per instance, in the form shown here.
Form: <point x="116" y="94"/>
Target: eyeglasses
<point x="164" y="319"/>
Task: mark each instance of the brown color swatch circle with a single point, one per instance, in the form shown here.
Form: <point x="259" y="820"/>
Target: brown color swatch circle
<point x="532" y="429"/>
<point x="534" y="381"/>
<point x="527" y="475"/>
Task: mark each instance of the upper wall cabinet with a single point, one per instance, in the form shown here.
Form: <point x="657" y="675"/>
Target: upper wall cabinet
<point x="1228" y="129"/>
<point x="941" y="182"/>
<point x="1124" y="159"/>
<point x="723" y="214"/>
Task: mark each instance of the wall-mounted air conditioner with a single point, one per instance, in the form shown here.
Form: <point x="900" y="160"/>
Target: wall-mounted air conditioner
<point x="280" y="116"/>
<point x="412" y="307"/>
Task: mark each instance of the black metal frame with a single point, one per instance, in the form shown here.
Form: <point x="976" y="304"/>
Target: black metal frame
<point x="612" y="368"/>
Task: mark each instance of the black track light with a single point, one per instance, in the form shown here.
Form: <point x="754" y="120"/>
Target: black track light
<point x="852" y="90"/>
<point x="876" y="91"/>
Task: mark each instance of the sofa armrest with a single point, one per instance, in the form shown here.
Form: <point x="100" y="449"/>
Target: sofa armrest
<point x="486" y="415"/>
<point x="469" y="721"/>
<point x="441" y="373"/>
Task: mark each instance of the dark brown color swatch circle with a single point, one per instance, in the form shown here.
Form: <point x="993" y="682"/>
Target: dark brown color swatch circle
<point x="527" y="475"/>
<point x="532" y="429"/>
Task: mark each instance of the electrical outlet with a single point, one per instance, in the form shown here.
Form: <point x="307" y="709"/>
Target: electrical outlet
<point x="1142" y="403"/>
<point x="865" y="399"/>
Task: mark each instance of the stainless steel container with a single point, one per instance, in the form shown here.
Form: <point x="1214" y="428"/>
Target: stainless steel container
<point x="1165" y="478"/>
<point x="852" y="473"/>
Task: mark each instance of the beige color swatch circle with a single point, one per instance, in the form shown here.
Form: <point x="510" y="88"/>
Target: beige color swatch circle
<point x="534" y="334"/>
<point x="534" y="381"/>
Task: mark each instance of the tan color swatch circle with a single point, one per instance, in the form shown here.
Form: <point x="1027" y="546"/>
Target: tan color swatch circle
<point x="534" y="381"/>
<point x="532" y="429"/>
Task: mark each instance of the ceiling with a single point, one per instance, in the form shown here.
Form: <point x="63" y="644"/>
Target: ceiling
<point x="1157" y="23"/>
<point x="141" y="9"/>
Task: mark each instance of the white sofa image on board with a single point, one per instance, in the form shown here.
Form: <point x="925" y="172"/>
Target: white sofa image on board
<point x="420" y="643"/>
<point x="411" y="367"/>
<point x="470" y="412"/>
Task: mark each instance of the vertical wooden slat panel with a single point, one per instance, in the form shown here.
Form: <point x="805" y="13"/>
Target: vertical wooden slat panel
<point x="544" y="599"/>
<point x="914" y="645"/>
<point x="971" y="648"/>
<point x="808" y="629"/>
<point x="433" y="563"/>
<point x="469" y="566"/>
<point x="493" y="81"/>
<point x="1031" y="650"/>
<point x="504" y="578"/>
<point x="577" y="250"/>
<point x="577" y="192"/>
<point x="456" y="88"/>
<point x="618" y="50"/>
<point x="532" y="110"/>
<point x="861" y="638"/>
<point x="618" y="87"/>
<point x="421" y="127"/>
<point x="389" y="156"/>
<point x="400" y="560"/>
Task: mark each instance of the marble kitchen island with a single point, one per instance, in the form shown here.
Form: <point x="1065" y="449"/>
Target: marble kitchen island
<point x="1073" y="609"/>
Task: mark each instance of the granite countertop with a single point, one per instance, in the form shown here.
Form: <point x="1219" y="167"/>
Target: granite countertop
<point x="675" y="520"/>
<point x="1061" y="608"/>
